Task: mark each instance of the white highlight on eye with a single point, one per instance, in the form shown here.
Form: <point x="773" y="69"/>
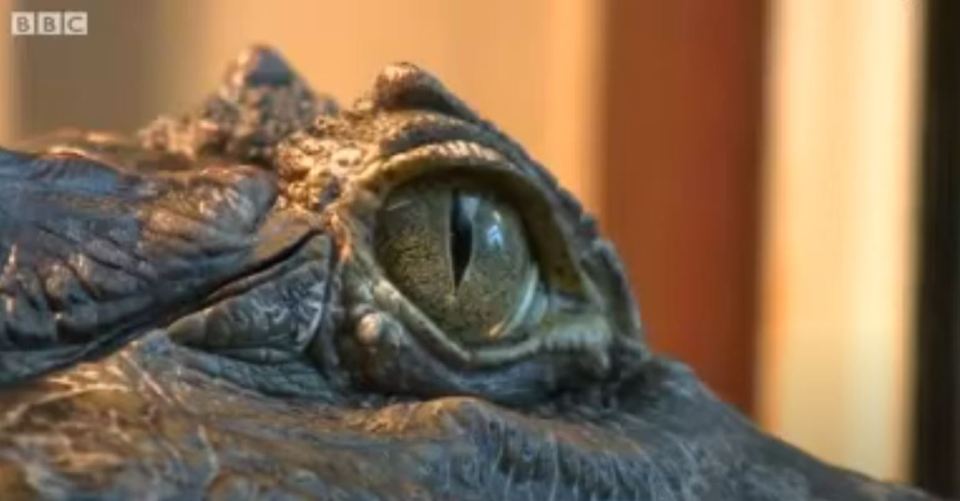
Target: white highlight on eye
<point x="495" y="236"/>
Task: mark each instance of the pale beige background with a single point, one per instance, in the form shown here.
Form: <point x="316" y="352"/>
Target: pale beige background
<point x="837" y="312"/>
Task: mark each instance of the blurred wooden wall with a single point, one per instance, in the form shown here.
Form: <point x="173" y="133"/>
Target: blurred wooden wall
<point x="679" y="184"/>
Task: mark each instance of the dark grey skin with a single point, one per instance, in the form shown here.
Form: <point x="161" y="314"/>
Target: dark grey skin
<point x="272" y="298"/>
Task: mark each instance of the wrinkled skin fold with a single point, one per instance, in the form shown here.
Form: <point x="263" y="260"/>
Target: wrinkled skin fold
<point x="271" y="297"/>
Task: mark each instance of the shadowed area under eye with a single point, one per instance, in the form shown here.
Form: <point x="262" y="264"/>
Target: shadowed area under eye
<point x="461" y="255"/>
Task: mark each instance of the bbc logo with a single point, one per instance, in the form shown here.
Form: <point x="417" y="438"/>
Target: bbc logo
<point x="48" y="23"/>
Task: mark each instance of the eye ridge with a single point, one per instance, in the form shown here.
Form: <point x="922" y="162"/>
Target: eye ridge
<point x="462" y="211"/>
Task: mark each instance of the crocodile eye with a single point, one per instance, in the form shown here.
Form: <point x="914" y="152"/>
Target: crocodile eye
<point x="462" y="255"/>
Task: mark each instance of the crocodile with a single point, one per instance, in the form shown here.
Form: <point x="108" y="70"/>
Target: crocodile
<point x="274" y="297"/>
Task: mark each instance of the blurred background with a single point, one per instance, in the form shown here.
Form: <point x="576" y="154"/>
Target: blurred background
<point x="780" y="176"/>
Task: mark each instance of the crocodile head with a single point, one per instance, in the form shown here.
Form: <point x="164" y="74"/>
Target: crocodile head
<point x="271" y="297"/>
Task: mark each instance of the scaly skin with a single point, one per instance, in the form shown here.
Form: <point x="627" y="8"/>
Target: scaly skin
<point x="208" y="312"/>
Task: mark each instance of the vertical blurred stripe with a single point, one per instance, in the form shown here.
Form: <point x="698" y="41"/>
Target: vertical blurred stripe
<point x="837" y="284"/>
<point x="681" y="148"/>
<point x="937" y="421"/>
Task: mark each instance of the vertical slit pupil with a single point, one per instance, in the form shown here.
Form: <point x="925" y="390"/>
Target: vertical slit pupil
<point x="461" y="236"/>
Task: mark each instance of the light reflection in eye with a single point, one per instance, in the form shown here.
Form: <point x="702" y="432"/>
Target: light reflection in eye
<point x="495" y="235"/>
